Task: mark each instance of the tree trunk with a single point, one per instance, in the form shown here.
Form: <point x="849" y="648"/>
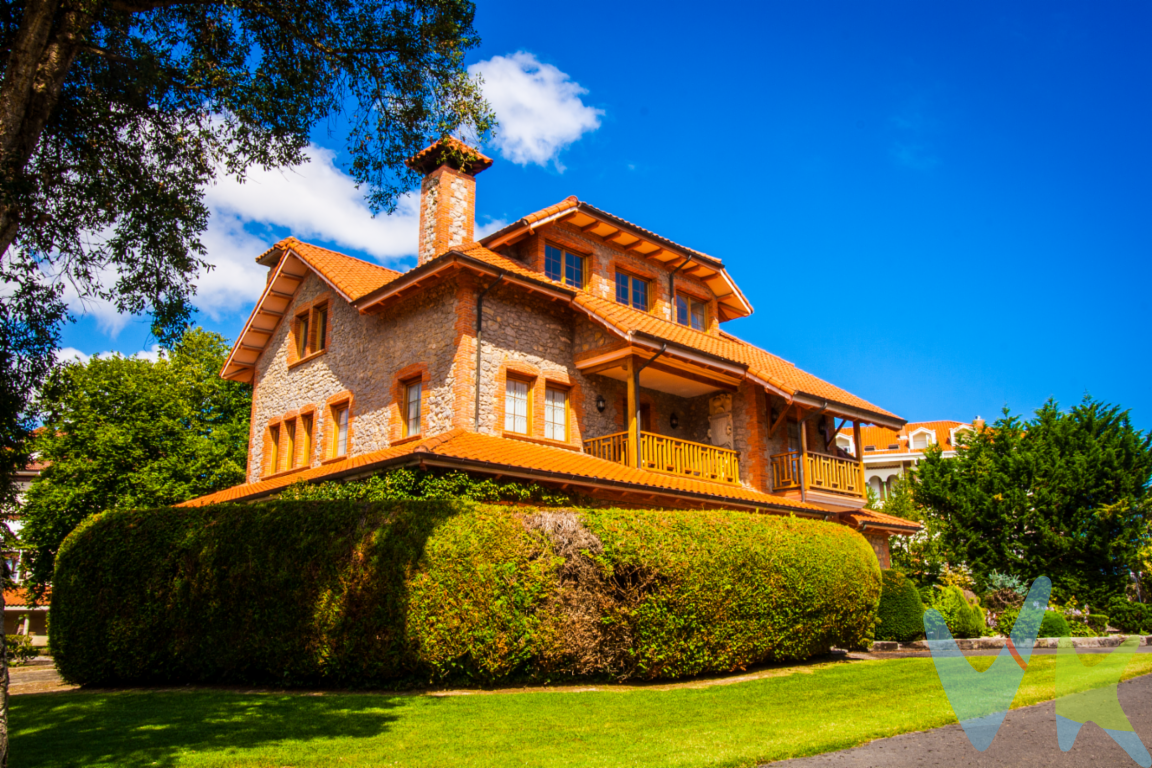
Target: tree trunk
<point x="3" y="680"/>
<point x="38" y="64"/>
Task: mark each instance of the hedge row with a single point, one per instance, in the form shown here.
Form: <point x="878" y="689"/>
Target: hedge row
<point x="349" y="593"/>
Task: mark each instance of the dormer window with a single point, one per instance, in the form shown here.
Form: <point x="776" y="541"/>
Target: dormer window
<point x="564" y="266"/>
<point x="691" y="312"/>
<point x="311" y="331"/>
<point x="632" y="291"/>
<point x="921" y="439"/>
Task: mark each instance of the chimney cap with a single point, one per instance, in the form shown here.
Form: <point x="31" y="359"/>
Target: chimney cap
<point x="451" y="152"/>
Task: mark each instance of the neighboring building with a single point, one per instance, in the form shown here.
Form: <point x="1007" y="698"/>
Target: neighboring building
<point x="546" y="352"/>
<point x="19" y="617"/>
<point x="888" y="453"/>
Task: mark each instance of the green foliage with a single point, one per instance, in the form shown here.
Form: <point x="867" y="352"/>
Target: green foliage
<point x="1005" y="620"/>
<point x="126" y="432"/>
<point x="1054" y="625"/>
<point x="964" y="618"/>
<point x="921" y="556"/>
<point x="1128" y="616"/>
<point x="20" y="650"/>
<point x="997" y="581"/>
<point x="1064" y="494"/>
<point x="120" y="115"/>
<point x="901" y="613"/>
<point x="1098" y="622"/>
<point x="355" y="593"/>
<point x="406" y="484"/>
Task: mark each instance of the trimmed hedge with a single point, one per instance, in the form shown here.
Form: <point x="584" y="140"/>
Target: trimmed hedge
<point x="901" y="613"/>
<point x="356" y="594"/>
<point x="1054" y="625"/>
<point x="1128" y="616"/>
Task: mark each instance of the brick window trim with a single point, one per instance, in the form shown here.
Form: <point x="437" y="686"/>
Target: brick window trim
<point x="307" y="308"/>
<point x="398" y="408"/>
<point x="344" y="399"/>
<point x="281" y="422"/>
<point x="538" y="382"/>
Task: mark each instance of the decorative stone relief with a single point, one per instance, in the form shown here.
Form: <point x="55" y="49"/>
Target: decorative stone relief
<point x="720" y="421"/>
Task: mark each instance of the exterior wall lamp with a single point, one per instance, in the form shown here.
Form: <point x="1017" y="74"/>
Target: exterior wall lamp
<point x="674" y="421"/>
<point x="601" y="404"/>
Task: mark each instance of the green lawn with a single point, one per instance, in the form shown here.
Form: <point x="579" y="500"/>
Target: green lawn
<point x="821" y="708"/>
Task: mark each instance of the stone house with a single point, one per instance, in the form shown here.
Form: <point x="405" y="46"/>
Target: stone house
<point x="571" y="348"/>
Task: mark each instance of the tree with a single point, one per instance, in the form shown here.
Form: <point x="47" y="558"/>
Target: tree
<point x="129" y="433"/>
<point x="116" y="114"/>
<point x="1063" y="495"/>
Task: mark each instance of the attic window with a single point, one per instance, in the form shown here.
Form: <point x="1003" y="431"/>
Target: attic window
<point x="921" y="441"/>
<point x="894" y="447"/>
<point x="869" y="447"/>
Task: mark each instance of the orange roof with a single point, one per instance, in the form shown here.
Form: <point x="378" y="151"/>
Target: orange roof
<point x="351" y="276"/>
<point x="17" y="597"/>
<point x="471" y="450"/>
<point x="882" y="438"/>
<point x="875" y="519"/>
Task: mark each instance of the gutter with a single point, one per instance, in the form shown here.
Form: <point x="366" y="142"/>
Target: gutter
<point x="479" y="339"/>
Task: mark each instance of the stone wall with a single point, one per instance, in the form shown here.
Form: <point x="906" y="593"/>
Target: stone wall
<point x="365" y="354"/>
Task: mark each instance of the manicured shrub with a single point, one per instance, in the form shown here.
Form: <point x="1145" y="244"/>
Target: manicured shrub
<point x="901" y="613"/>
<point x="1131" y="617"/>
<point x="1006" y="620"/>
<point x="964" y="618"/>
<point x="354" y="593"/>
<point x="1098" y="622"/>
<point x="1054" y="625"/>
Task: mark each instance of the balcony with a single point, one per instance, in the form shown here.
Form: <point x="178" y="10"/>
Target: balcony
<point x="820" y="473"/>
<point x="669" y="456"/>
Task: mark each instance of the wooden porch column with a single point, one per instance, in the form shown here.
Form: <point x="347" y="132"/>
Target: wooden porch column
<point x="633" y="411"/>
<point x="859" y="455"/>
<point x="803" y="424"/>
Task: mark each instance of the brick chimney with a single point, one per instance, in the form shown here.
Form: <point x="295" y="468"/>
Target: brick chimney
<point x="447" y="195"/>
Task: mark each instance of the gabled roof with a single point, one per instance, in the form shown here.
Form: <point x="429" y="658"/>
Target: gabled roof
<point x="637" y="326"/>
<point x="882" y="438"/>
<point x="517" y="458"/>
<point x="291" y="260"/>
<point x="639" y="242"/>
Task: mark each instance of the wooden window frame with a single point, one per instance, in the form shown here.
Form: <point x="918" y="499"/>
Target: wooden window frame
<point x="551" y="386"/>
<point x="307" y="431"/>
<point x="632" y="277"/>
<point x="690" y="297"/>
<point x="406" y="412"/>
<point x="290" y="446"/>
<point x="564" y="254"/>
<point x="308" y="339"/>
<point x="529" y="383"/>
<point x="273" y="448"/>
<point x="342" y="407"/>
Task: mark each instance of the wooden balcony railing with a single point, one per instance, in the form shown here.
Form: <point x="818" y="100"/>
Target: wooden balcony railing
<point x="670" y="456"/>
<point x="821" y="473"/>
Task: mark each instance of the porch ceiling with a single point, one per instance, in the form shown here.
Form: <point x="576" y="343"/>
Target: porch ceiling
<point x="665" y="374"/>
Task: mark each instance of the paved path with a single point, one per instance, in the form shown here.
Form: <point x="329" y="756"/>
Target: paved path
<point x="38" y="677"/>
<point x="1027" y="738"/>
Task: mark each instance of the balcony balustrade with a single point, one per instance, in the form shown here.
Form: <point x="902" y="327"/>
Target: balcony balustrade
<point x="821" y="473"/>
<point x="670" y="456"/>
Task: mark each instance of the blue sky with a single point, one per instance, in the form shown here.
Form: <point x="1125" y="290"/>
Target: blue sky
<point x="944" y="209"/>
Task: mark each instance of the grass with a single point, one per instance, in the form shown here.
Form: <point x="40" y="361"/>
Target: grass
<point x="814" y="709"/>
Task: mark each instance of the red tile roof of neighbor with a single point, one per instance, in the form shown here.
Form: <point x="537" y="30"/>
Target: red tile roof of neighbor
<point x="874" y="519"/>
<point x="882" y="437"/>
<point x="17" y="597"/>
<point x="557" y="464"/>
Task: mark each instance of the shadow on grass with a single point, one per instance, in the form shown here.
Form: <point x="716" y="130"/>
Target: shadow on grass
<point x="156" y="728"/>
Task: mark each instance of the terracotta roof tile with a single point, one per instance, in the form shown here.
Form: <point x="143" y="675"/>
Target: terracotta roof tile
<point x="882" y="437"/>
<point x="517" y="454"/>
<point x="876" y="519"/>
<point x="353" y="277"/>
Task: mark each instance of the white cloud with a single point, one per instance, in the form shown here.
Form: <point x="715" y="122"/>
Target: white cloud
<point x="537" y="105"/>
<point x="73" y="355"/>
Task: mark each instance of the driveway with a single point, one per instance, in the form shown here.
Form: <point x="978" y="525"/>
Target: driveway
<point x="1027" y="738"/>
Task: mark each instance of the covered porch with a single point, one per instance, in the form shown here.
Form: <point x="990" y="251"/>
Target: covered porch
<point x="692" y="397"/>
